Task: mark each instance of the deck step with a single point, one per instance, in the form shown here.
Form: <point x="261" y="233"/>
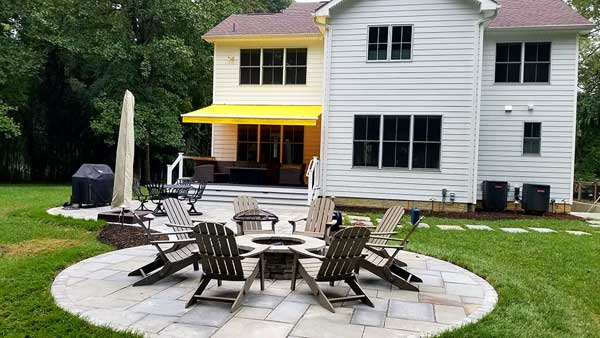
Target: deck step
<point x="265" y="195"/>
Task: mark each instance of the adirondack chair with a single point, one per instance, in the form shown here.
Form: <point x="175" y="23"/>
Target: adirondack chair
<point x="243" y="203"/>
<point x="181" y="254"/>
<point x="385" y="265"/>
<point x="222" y="261"/>
<point x="338" y="264"/>
<point x="319" y="219"/>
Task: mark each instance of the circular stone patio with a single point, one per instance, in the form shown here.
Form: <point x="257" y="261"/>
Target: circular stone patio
<point x="99" y="290"/>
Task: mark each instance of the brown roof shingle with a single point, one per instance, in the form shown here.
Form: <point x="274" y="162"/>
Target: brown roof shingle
<point x="536" y="13"/>
<point x="296" y="19"/>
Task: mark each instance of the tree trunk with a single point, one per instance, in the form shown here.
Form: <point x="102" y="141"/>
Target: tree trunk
<point x="148" y="177"/>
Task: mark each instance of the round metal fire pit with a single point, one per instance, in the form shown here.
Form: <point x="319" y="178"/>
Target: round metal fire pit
<point x="279" y="259"/>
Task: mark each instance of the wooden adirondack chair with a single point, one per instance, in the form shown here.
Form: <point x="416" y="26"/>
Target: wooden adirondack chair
<point x="181" y="254"/>
<point x="319" y="219"/>
<point x="385" y="265"/>
<point x="243" y="203"/>
<point x="221" y="260"/>
<point x="338" y="264"/>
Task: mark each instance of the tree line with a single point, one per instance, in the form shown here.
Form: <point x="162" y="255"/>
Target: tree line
<point x="65" y="65"/>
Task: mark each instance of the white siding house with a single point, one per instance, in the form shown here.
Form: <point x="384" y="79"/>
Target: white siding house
<point x="411" y="100"/>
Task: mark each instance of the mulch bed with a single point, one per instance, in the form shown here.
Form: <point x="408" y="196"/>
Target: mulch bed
<point x="124" y="236"/>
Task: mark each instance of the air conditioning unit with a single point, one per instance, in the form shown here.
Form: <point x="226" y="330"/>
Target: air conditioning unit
<point x="536" y="198"/>
<point x="494" y="195"/>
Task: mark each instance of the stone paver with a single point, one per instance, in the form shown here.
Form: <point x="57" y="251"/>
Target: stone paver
<point x="424" y="226"/>
<point x="479" y="227"/>
<point x="100" y="290"/>
<point x="514" y="230"/>
<point x="542" y="230"/>
<point x="578" y="233"/>
<point x="451" y="227"/>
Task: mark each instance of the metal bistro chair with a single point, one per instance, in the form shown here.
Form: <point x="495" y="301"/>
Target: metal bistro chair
<point x="338" y="264"/>
<point x="192" y="196"/>
<point x="156" y="193"/>
<point x="140" y="195"/>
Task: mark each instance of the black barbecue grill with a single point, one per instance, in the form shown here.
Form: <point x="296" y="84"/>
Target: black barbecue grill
<point x="92" y="185"/>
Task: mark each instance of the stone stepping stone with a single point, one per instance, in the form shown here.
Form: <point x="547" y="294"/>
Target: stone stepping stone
<point x="594" y="224"/>
<point x="542" y="230"/>
<point x="362" y="223"/>
<point x="451" y="227"/>
<point x="479" y="227"/>
<point x="424" y="226"/>
<point x="379" y="220"/>
<point x="514" y="230"/>
<point x="578" y="233"/>
<point x="355" y="218"/>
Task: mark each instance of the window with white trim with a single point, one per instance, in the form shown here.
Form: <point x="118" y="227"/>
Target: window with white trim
<point x="393" y="42"/>
<point x="532" y="138"/>
<point x="295" y="66"/>
<point x="272" y="66"/>
<point x="397" y="141"/>
<point x="527" y="62"/>
<point x="250" y="66"/>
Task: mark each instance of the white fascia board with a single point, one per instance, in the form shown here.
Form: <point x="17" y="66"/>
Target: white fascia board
<point x="485" y="5"/>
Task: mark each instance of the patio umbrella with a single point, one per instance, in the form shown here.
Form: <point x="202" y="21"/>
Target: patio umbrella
<point x="125" y="151"/>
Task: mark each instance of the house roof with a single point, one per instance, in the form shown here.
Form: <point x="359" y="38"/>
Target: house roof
<point x="537" y="13"/>
<point x="296" y="19"/>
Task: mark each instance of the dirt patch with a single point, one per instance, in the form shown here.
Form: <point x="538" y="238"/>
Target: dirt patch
<point x="477" y="215"/>
<point x="36" y="246"/>
<point x="123" y="236"/>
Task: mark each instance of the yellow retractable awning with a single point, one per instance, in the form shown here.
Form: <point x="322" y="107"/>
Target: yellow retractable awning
<point x="255" y="114"/>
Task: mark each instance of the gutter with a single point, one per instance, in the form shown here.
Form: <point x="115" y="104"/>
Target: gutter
<point x="325" y="29"/>
<point x="481" y="26"/>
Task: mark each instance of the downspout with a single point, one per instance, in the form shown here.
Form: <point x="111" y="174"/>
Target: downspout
<point x="324" y="27"/>
<point x="480" y="25"/>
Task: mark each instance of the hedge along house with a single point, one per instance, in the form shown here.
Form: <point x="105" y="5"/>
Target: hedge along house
<point x="401" y="100"/>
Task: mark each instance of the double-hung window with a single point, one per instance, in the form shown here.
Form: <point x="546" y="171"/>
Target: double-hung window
<point x="397" y="141"/>
<point x="274" y="66"/>
<point x="392" y="42"/>
<point x="247" y="145"/>
<point x="532" y="138"/>
<point x="527" y="62"/>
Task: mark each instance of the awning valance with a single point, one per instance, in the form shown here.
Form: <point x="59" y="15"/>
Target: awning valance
<point x="255" y="114"/>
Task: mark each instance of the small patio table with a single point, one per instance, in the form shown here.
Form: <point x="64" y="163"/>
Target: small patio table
<point x="279" y="258"/>
<point x="167" y="191"/>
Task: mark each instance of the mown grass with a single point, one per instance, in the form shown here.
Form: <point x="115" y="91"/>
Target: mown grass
<point x="549" y="284"/>
<point x="27" y="308"/>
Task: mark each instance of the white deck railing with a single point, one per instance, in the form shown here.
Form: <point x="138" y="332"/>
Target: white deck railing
<point x="178" y="163"/>
<point x="314" y="184"/>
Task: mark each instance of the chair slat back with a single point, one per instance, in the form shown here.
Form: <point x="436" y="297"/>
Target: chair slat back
<point x="177" y="215"/>
<point x="344" y="252"/>
<point x="198" y="192"/>
<point x="319" y="214"/>
<point x="218" y="251"/>
<point x="155" y="189"/>
<point x="389" y="222"/>
<point x="137" y="189"/>
<point x="243" y="203"/>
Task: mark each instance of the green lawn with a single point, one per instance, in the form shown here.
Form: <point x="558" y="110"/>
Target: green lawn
<point x="548" y="284"/>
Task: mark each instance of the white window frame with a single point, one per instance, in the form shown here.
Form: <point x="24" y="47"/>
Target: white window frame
<point x="522" y="65"/>
<point x="389" y="43"/>
<point x="410" y="147"/>
<point x="523" y="153"/>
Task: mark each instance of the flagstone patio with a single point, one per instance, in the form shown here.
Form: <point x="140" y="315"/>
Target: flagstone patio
<point x="99" y="290"/>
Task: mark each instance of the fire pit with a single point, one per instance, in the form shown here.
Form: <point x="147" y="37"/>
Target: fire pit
<point x="279" y="259"/>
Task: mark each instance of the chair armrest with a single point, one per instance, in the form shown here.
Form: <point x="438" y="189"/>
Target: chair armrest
<point x="176" y="233"/>
<point x="388" y="238"/>
<point x="383" y="246"/>
<point x="384" y="233"/>
<point x="177" y="241"/>
<point x="305" y="253"/>
<point x="297" y="220"/>
<point x="171" y="225"/>
<point x="361" y="226"/>
<point x="256" y="251"/>
<point x="331" y="223"/>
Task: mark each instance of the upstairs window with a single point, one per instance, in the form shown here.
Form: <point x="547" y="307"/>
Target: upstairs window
<point x="390" y="43"/>
<point x="527" y="62"/>
<point x="508" y="62"/>
<point x="537" y="62"/>
<point x="366" y="140"/>
<point x="532" y="138"/>
<point x="295" y="66"/>
<point x="250" y="66"/>
<point x="272" y="66"/>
